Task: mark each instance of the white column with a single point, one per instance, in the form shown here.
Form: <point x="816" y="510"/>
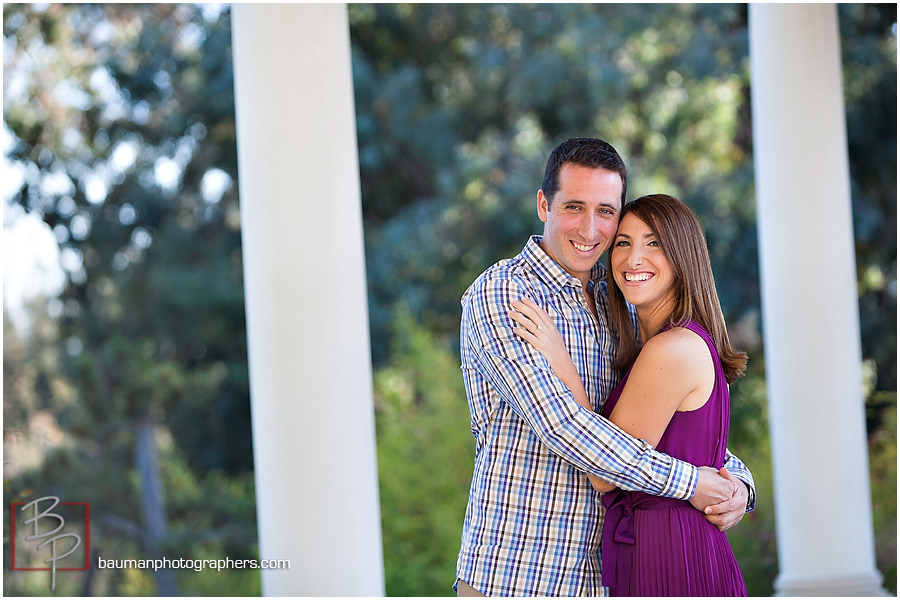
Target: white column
<point x="810" y="307"/>
<point x="307" y="320"/>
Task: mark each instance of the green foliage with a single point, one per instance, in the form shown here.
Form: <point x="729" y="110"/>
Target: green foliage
<point x="457" y="107"/>
<point x="211" y="516"/>
<point x="870" y="90"/>
<point x="495" y="87"/>
<point x="753" y="540"/>
<point x="122" y="116"/>
<point x="424" y="461"/>
<point x="883" y="469"/>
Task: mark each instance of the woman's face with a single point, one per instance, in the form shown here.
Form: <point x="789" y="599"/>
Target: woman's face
<point x="640" y="267"/>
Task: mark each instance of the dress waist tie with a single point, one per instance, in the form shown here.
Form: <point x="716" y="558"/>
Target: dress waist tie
<point x="618" y="534"/>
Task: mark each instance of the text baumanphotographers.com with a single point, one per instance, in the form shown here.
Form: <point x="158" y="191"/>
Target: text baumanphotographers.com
<point x="195" y="564"/>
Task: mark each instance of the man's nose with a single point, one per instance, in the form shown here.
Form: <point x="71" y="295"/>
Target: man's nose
<point x="590" y="225"/>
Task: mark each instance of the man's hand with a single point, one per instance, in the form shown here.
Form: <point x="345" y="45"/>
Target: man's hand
<point x="729" y="513"/>
<point x="713" y="491"/>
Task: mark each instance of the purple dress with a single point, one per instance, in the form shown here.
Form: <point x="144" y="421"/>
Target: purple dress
<point x="665" y="547"/>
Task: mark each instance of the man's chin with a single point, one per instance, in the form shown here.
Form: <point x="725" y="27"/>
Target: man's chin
<point x="585" y="263"/>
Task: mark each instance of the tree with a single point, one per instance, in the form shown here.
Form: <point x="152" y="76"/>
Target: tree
<point x="495" y="87"/>
<point x="123" y="120"/>
<point x="122" y="126"/>
<point x="458" y="106"/>
<point x="424" y="457"/>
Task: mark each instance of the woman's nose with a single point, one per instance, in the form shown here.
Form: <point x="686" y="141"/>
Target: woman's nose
<point x="636" y="259"/>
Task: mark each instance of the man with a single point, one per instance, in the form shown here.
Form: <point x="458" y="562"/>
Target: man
<point x="533" y="522"/>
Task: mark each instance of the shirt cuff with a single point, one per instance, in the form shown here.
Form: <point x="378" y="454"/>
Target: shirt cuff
<point x="682" y="481"/>
<point x="751" y="495"/>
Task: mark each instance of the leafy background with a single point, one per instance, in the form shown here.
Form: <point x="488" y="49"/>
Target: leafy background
<point x="125" y="379"/>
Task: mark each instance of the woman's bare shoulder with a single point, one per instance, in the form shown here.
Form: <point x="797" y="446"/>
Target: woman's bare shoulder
<point x="677" y="348"/>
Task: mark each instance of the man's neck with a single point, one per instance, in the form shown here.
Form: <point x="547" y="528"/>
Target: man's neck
<point x="587" y="288"/>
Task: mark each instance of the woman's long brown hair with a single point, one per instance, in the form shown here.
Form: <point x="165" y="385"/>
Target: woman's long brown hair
<point x="681" y="238"/>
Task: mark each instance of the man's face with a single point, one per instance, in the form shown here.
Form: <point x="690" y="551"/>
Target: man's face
<point x="580" y="220"/>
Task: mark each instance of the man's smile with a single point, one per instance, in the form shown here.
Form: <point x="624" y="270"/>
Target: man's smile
<point x="583" y="248"/>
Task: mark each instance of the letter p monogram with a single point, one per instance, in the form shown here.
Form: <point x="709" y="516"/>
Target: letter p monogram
<point x="60" y="522"/>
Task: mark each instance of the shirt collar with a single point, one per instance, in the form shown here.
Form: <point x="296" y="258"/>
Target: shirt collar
<point x="549" y="271"/>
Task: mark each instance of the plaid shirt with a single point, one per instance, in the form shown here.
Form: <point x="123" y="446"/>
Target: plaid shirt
<point x="533" y="523"/>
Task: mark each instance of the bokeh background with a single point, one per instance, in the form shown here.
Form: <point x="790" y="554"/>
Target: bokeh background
<point x="125" y="380"/>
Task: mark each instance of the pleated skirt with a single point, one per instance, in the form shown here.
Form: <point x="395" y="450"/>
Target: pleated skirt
<point x="677" y="552"/>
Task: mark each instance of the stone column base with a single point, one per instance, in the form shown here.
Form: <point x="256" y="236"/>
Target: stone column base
<point x="846" y="586"/>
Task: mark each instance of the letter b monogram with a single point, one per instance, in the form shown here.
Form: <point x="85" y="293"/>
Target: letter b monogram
<point x="60" y="522"/>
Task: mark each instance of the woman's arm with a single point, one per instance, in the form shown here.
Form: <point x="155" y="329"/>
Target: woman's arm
<point x="674" y="371"/>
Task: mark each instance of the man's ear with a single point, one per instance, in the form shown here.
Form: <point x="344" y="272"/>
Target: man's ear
<point x="543" y="205"/>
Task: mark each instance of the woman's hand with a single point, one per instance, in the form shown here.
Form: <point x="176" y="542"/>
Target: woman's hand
<point x="536" y="328"/>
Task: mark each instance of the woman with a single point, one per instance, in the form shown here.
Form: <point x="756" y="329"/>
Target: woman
<point x="674" y="395"/>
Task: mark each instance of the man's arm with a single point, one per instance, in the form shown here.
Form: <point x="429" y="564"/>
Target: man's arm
<point x="591" y="443"/>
